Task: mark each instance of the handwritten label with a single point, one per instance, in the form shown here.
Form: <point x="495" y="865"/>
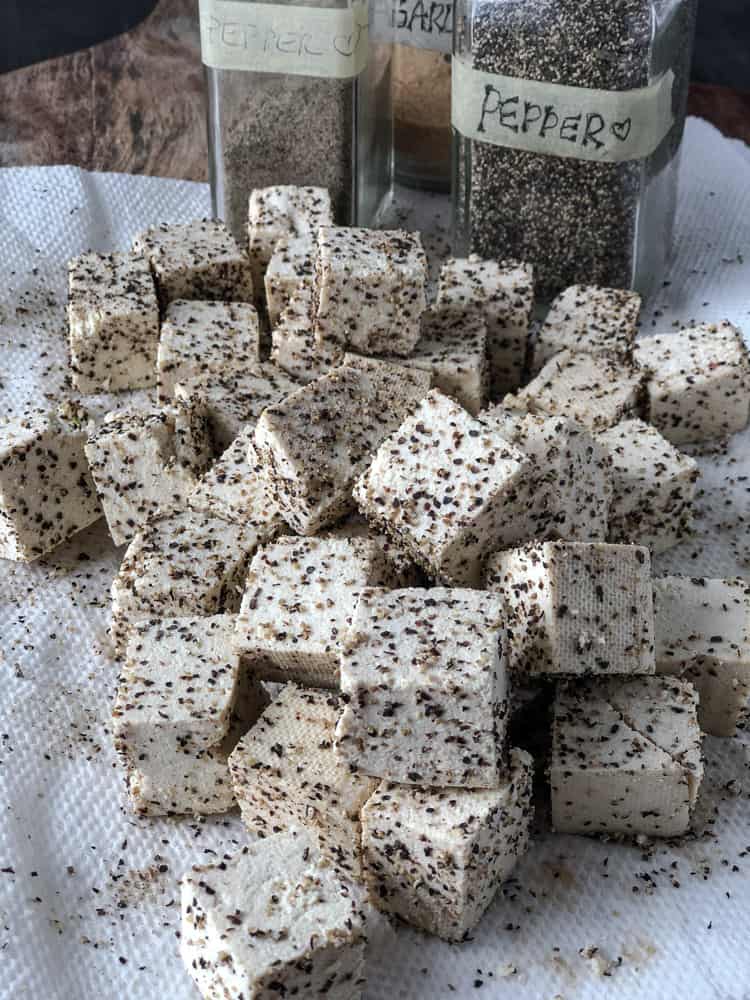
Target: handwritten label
<point x="276" y="38"/>
<point x="422" y="24"/>
<point x="600" y="125"/>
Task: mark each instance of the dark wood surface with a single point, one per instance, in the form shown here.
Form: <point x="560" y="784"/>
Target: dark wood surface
<point x="136" y="103"/>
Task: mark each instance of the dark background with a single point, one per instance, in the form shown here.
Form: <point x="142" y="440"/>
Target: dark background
<point x="34" y="30"/>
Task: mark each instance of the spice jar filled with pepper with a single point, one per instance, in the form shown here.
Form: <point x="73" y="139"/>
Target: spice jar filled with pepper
<point x="568" y="118"/>
<point x="297" y="94"/>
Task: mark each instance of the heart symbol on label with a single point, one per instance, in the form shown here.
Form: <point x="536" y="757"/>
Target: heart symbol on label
<point x="346" y="45"/>
<point x="621" y="130"/>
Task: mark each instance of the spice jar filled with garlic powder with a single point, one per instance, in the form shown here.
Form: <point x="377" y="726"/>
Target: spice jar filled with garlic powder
<point x="298" y="93"/>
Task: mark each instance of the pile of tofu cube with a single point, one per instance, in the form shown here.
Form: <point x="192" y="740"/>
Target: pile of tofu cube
<point x="359" y="529"/>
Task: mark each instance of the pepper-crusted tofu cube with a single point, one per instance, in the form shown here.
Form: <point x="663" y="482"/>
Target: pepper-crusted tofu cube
<point x="231" y="400"/>
<point x="277" y="920"/>
<point x="436" y="856"/>
<point x="653" y="487"/>
<point x="588" y="319"/>
<point x="199" y="337"/>
<point x="369" y="289"/>
<point x="290" y="268"/>
<point x="698" y="382"/>
<point x="187" y="563"/>
<point x="401" y="570"/>
<point x="314" y="444"/>
<point x="577" y="607"/>
<point x="447" y="489"/>
<point x="626" y="757"/>
<point x="196" y="260"/>
<point x="286" y="775"/>
<point x="299" y="600"/>
<point x="569" y="484"/>
<point x="142" y="465"/>
<point x="503" y="292"/>
<point x="293" y="343"/>
<point x="703" y="634"/>
<point x="113" y="322"/>
<point x="423" y="676"/>
<point x="282" y="212"/>
<point x="592" y="390"/>
<point x="181" y="706"/>
<point x="46" y="490"/>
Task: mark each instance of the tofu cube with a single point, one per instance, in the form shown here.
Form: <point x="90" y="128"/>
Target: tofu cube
<point x="281" y="212"/>
<point x="698" y="382"/>
<point x="369" y="290"/>
<point x="653" y="487"/>
<point x="503" y="292"/>
<point x="448" y="490"/>
<point x="113" y="322"/>
<point x="200" y="337"/>
<point x="436" y="856"/>
<point x="290" y="268"/>
<point x="181" y="706"/>
<point x="401" y="570"/>
<point x="626" y="757"/>
<point x="232" y="400"/>
<point x="293" y="346"/>
<point x="577" y="607"/>
<point x="299" y="600"/>
<point x="142" y="466"/>
<point x="286" y="776"/>
<point x="592" y="390"/>
<point x="277" y="920"/>
<point x="591" y="320"/>
<point x="703" y="634"/>
<point x="315" y="443"/>
<point x="183" y="564"/>
<point x="423" y="678"/>
<point x="232" y="488"/>
<point x="196" y="260"/>
<point x="569" y="485"/>
<point x="46" y="490"/>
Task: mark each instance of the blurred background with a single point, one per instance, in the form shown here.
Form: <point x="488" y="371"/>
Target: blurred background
<point x="120" y="87"/>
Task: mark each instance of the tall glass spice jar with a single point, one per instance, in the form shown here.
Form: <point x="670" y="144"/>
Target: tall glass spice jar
<point x="568" y="120"/>
<point x="297" y="94"/>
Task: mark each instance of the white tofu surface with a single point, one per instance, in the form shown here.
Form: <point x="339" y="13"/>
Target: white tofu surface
<point x="290" y="269"/>
<point x="293" y="342"/>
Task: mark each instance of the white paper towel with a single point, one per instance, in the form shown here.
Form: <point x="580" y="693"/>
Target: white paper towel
<point x="88" y="901"/>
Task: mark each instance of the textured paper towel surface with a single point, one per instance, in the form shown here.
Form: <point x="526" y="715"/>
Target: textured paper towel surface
<point x="88" y="902"/>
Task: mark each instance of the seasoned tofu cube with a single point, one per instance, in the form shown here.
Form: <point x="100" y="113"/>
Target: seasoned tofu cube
<point x="591" y="320"/>
<point x="300" y="597"/>
<point x="592" y="390"/>
<point x="653" y="487"/>
<point x="436" y="856"/>
<point x="113" y="322"/>
<point x="569" y="484"/>
<point x="232" y="400"/>
<point x="286" y="776"/>
<point x="196" y="260"/>
<point x="698" y="382"/>
<point x="277" y="920"/>
<point x="187" y="563"/>
<point x="626" y="756"/>
<point x="232" y="488"/>
<point x="144" y="462"/>
<point x="291" y="267"/>
<point x="46" y="490"/>
<point x="181" y="706"/>
<point x="503" y="292"/>
<point x="281" y="212"/>
<point x="314" y="444"/>
<point x="401" y="570"/>
<point x="448" y="490"/>
<point x="577" y="607"/>
<point x="703" y="634"/>
<point x="293" y="343"/>
<point x="200" y="337"/>
<point x="369" y="290"/>
<point x="423" y="678"/>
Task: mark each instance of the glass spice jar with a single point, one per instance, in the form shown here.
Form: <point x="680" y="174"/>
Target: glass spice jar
<point x="568" y="118"/>
<point x="297" y="94"/>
